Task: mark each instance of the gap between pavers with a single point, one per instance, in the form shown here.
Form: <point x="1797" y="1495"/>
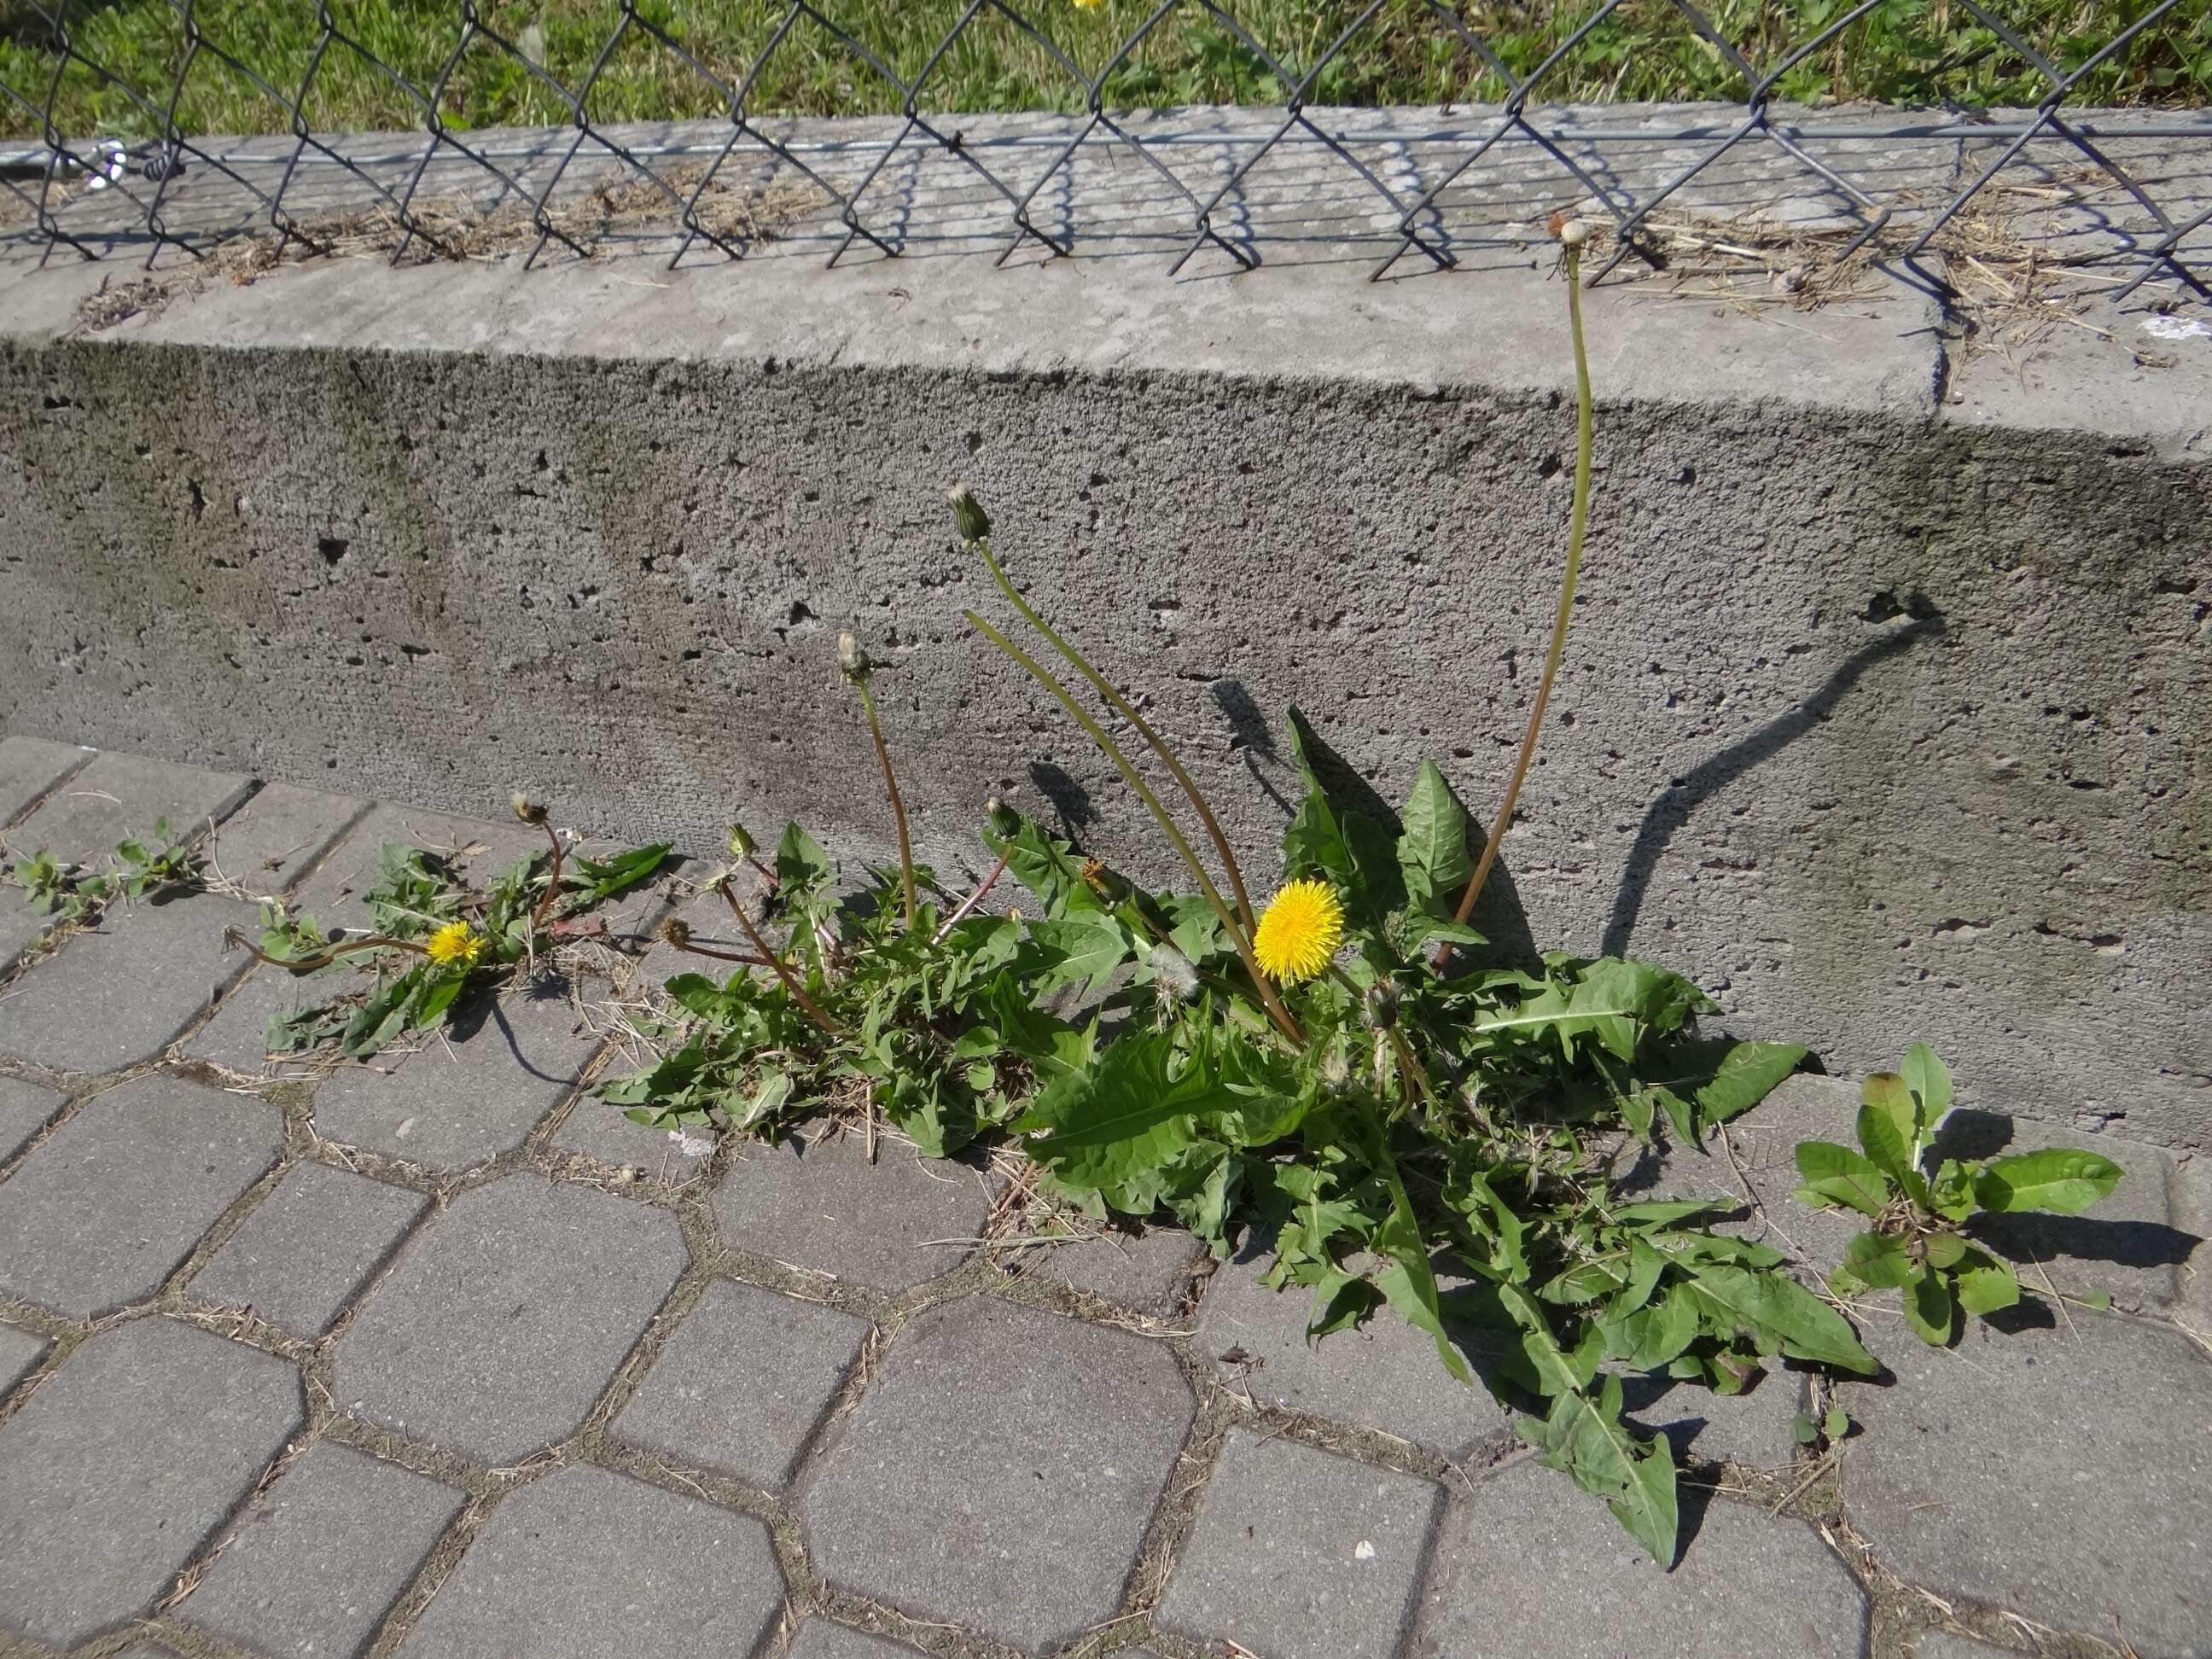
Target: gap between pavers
<point x="821" y="1638"/>
<point x="19" y="1351"/>
<point x="30" y="768"/>
<point x="93" y="1528"/>
<point x="25" y="1109"/>
<point x="113" y="1200"/>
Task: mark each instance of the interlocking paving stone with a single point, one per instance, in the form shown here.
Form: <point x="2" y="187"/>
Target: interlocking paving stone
<point x="1384" y="1375"/>
<point x="596" y="1127"/>
<point x="121" y="1463"/>
<point x="1751" y="1428"/>
<point x="586" y="1563"/>
<point x="1528" y="1565"/>
<point x="816" y="1202"/>
<point x="471" y="1094"/>
<point x="20" y="926"/>
<point x="505" y="1317"/>
<point x="308" y="1246"/>
<point x="2064" y="1472"/>
<point x="28" y="768"/>
<point x="1149" y="1269"/>
<point x="269" y="843"/>
<point x="116" y="795"/>
<point x="313" y="1563"/>
<point x="1000" y="1471"/>
<point x="1299" y="1554"/>
<point x="818" y="1639"/>
<point x="19" y="1351"/>
<point x="147" y="1651"/>
<point x="116" y="1198"/>
<point x="1944" y="1645"/>
<point x="334" y="896"/>
<point x="24" y="1109"/>
<point x="742" y="1383"/>
<point x="119" y="993"/>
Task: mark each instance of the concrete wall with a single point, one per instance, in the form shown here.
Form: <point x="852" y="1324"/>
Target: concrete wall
<point x="1886" y="714"/>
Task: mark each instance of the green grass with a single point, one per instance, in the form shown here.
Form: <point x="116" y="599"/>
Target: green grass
<point x="1905" y="51"/>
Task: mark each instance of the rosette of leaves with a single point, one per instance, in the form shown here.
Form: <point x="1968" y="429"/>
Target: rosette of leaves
<point x="933" y="1024"/>
<point x="140" y="870"/>
<point x="522" y="913"/>
<point x="1930" y="1214"/>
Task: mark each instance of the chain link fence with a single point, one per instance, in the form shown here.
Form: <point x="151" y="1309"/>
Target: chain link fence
<point x="97" y="195"/>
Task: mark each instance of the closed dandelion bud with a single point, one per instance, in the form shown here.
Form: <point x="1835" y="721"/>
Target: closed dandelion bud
<point x="741" y="842"/>
<point x="1173" y="973"/>
<point x="851" y="662"/>
<point x="676" y="932"/>
<point x="526" y="810"/>
<point x="968" y="514"/>
<point x="1105" y="883"/>
<point x="1378" y="1010"/>
<point x="1005" y="821"/>
<point x="1335" y="1072"/>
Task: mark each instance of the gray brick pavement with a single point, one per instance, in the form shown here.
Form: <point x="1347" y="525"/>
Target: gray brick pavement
<point x="309" y="1245"/>
<point x="24" y="1109"/>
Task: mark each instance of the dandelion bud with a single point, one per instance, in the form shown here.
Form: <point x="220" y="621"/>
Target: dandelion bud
<point x="1378" y="1010"/>
<point x="1173" y="973"/>
<point x="1107" y="884"/>
<point x="1004" y="820"/>
<point x="1335" y="1072"/>
<point x="526" y="810"/>
<point x="852" y="661"/>
<point x="741" y="842"/>
<point x="676" y="931"/>
<point x="968" y="514"/>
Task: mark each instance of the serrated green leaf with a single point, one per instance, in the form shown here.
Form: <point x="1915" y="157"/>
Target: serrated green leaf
<point x="1888" y="1125"/>
<point x="2062" y="1179"/>
<point x="1087" y="947"/>
<point x="802" y="868"/>
<point x="1929" y="1309"/>
<point x="1985" y="1285"/>
<point x="1121" y="1116"/>
<point x="1723" y="1078"/>
<point x="1635" y="1475"/>
<point x="1878" y="1260"/>
<point x="1840" y="1176"/>
<point x="1777" y="1311"/>
<point x="1926" y="1075"/>
<point x="1432" y="850"/>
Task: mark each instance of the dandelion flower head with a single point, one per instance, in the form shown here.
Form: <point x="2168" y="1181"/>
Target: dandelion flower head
<point x="1299" y="931"/>
<point x="456" y="942"/>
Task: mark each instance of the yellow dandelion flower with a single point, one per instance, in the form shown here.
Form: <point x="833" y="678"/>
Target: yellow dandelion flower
<point x="456" y="942"/>
<point x="1299" y="931"/>
<point x="1088" y="5"/>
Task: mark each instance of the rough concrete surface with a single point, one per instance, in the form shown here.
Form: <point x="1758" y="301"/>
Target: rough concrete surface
<point x="1887" y="696"/>
<point x="308" y="1246"/>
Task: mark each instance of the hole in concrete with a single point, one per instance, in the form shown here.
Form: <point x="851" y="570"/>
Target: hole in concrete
<point x="331" y="549"/>
<point x="1548" y="467"/>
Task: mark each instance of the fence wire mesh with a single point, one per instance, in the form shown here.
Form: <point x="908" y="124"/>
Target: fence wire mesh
<point x="1411" y="181"/>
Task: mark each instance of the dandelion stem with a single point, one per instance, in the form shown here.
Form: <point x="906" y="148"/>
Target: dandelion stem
<point x="322" y="958"/>
<point x="782" y="968"/>
<point x="1577" y="524"/>
<point x="968" y="904"/>
<point x="1112" y="750"/>
<point x="890" y="788"/>
<point x="1105" y="689"/>
<point x="552" y="884"/>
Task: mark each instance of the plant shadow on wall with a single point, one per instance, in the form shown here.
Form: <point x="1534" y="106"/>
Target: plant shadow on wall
<point x="1342" y="1074"/>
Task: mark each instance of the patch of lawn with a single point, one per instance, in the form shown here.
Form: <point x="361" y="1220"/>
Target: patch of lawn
<point x="1904" y="51"/>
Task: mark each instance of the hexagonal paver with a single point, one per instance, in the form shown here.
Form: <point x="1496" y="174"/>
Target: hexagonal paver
<point x="19" y="1351"/>
<point x="122" y="991"/>
<point x="24" y="1109"/>
<point x="584" y="1563"/>
<point x="29" y="768"/>
<point x="740" y="1386"/>
<point x="506" y="1316"/>
<point x="1385" y="1376"/>
<point x="1529" y="1567"/>
<point x="471" y="1093"/>
<point x="118" y="1196"/>
<point x="121" y="1463"/>
<point x="1150" y="1269"/>
<point x="818" y="1639"/>
<point x="819" y="1203"/>
<point x="115" y="795"/>
<point x="2063" y="1473"/>
<point x="308" y="1246"/>
<point x="1298" y="1554"/>
<point x="1000" y="1471"/>
<point x="311" y="1566"/>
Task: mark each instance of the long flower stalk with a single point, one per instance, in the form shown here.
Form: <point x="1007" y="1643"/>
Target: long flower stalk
<point x="856" y="668"/>
<point x="1572" y="236"/>
<point x="1105" y="689"/>
<point x="1143" y="791"/>
<point x="783" y="969"/>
